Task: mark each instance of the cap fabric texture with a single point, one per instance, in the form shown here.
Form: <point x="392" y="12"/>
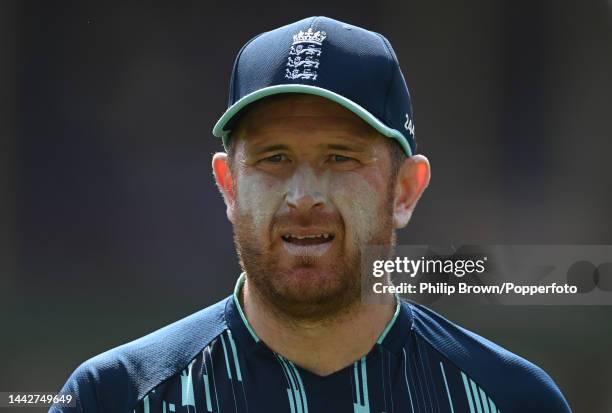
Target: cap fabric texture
<point x="351" y="66"/>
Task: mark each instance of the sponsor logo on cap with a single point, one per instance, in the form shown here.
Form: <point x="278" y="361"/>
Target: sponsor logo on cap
<point x="409" y="125"/>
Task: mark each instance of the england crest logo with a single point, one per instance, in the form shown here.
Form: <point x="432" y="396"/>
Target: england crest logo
<point x="303" y="60"/>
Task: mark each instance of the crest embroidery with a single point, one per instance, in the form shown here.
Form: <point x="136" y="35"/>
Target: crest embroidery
<point x="303" y="60"/>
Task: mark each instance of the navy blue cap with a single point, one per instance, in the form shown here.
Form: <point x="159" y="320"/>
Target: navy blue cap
<point x="351" y="66"/>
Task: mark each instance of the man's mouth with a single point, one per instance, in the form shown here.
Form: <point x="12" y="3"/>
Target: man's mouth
<point x="308" y="239"/>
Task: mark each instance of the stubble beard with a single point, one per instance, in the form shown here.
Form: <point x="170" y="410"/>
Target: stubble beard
<point x="327" y="297"/>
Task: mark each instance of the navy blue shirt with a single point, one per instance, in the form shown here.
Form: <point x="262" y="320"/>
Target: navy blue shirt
<point x="212" y="361"/>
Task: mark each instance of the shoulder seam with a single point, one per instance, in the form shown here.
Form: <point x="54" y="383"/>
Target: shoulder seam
<point x="160" y="382"/>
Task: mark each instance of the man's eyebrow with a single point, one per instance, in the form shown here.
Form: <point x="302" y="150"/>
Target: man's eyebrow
<point x="270" y="148"/>
<point x="342" y="147"/>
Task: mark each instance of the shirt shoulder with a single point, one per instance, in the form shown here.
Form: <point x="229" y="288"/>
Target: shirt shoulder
<point x="116" y="379"/>
<point x="518" y="385"/>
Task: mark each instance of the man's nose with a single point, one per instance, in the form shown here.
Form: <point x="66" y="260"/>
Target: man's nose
<point x="305" y="191"/>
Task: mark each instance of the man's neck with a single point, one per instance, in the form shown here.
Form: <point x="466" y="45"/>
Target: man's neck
<point x="320" y="347"/>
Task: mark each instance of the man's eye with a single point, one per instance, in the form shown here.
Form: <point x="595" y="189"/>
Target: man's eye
<point x="276" y="158"/>
<point x="340" y="158"/>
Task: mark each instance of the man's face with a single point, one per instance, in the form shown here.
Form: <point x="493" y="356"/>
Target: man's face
<point x="312" y="186"/>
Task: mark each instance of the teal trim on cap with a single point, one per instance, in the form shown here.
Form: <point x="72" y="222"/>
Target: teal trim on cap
<point x="370" y="119"/>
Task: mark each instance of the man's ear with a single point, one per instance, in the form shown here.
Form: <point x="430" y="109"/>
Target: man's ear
<point x="225" y="182"/>
<point x="412" y="179"/>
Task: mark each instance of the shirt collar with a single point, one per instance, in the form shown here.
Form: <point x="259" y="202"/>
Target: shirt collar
<point x="392" y="338"/>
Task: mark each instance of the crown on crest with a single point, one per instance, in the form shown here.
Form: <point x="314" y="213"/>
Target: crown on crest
<point x="309" y="36"/>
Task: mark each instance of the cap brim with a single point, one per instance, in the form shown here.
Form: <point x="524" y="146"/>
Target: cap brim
<point x="220" y="130"/>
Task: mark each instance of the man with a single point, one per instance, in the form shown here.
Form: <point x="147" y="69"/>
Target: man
<point x="320" y="163"/>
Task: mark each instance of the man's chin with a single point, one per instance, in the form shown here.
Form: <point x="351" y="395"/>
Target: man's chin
<point x="312" y="293"/>
<point x="310" y="274"/>
<point x="308" y="280"/>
